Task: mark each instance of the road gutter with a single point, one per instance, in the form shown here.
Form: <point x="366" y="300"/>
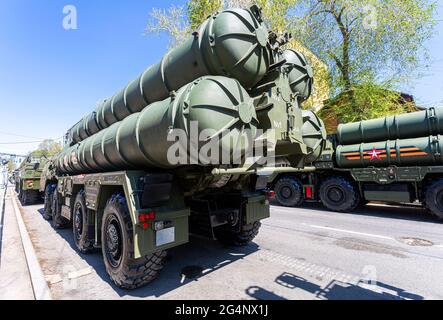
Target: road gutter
<point x="38" y="281"/>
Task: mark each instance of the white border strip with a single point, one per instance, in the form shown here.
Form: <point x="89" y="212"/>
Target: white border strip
<point x="39" y="284"/>
<point x="351" y="232"/>
<point x="360" y="233"/>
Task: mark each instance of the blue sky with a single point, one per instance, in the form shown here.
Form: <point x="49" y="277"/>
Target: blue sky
<point x="50" y="77"/>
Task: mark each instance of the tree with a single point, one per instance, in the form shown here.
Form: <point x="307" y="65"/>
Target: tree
<point x="11" y="166"/>
<point x="48" y="148"/>
<point x="366" y="44"/>
<point x="373" y="101"/>
<point x="172" y="21"/>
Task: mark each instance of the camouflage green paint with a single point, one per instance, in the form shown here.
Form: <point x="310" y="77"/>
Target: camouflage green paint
<point x="231" y="43"/>
<point x="404" y="126"/>
<point x="417" y="151"/>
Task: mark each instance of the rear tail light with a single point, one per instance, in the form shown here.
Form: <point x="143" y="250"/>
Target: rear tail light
<point x="145" y="219"/>
<point x="270" y="195"/>
<point x="308" y="192"/>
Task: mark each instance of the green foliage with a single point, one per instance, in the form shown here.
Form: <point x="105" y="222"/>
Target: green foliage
<point x="275" y="11"/>
<point x="363" y="102"/>
<point x="365" y="43"/>
<point x="47" y="148"/>
<point x="172" y="21"/>
<point x="363" y="40"/>
<point x="11" y="166"/>
<point x="200" y="10"/>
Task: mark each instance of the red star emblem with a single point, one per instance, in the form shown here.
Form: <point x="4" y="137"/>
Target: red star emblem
<point x="374" y="154"/>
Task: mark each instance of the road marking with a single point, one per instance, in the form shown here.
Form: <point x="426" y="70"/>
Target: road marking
<point x="351" y="232"/>
<point x="79" y="273"/>
<point x="38" y="281"/>
<point x="360" y="233"/>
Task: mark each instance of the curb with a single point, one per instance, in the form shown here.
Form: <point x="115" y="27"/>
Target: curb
<point x="2" y="216"/>
<point x="38" y="282"/>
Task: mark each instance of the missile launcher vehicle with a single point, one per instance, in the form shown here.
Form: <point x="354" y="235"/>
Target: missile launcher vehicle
<point x="396" y="159"/>
<point x="186" y="148"/>
<point x="27" y="179"/>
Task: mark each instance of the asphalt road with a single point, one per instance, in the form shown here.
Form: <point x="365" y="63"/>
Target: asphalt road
<point x="378" y="253"/>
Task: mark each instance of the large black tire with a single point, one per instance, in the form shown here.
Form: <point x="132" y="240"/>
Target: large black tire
<point x="118" y="249"/>
<point x="434" y="198"/>
<point x="231" y="236"/>
<point x="80" y="225"/>
<point x="289" y="192"/>
<point x="58" y="222"/>
<point x="49" y="193"/>
<point x="24" y="198"/>
<point x="20" y="195"/>
<point x="29" y="197"/>
<point x="340" y="195"/>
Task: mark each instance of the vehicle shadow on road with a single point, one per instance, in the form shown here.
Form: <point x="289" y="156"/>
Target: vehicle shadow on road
<point x="407" y="212"/>
<point x="260" y="293"/>
<point x="196" y="259"/>
<point x="338" y="290"/>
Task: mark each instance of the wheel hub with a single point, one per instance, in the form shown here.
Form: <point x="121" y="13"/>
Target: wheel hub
<point x="286" y="192"/>
<point x="78" y="222"/>
<point x="113" y="243"/>
<point x="336" y="195"/>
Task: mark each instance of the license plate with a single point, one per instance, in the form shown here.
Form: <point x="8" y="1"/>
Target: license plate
<point x="165" y="236"/>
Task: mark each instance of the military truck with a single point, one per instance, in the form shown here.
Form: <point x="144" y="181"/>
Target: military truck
<point x="185" y="148"/>
<point x="27" y="179"/>
<point x="396" y="159"/>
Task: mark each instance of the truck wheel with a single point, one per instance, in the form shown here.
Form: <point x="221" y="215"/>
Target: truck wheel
<point x="232" y="237"/>
<point x="118" y="248"/>
<point x="26" y="201"/>
<point x="30" y="197"/>
<point x="338" y="194"/>
<point x="49" y="192"/>
<point x="80" y="225"/>
<point x="58" y="222"/>
<point x="434" y="198"/>
<point x="289" y="192"/>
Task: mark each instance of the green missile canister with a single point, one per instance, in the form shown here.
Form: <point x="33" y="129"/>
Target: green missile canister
<point x="404" y="126"/>
<point x="423" y="151"/>
<point x="232" y="43"/>
<point x="213" y="105"/>
<point x="314" y="135"/>
<point x="301" y="75"/>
